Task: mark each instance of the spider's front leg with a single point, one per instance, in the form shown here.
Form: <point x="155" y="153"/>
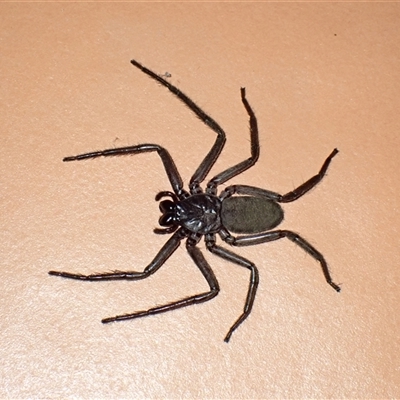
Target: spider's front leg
<point x="219" y="143"/>
<point x="169" y="165"/>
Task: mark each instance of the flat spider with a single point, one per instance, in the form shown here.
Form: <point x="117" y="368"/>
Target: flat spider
<point x="247" y="210"/>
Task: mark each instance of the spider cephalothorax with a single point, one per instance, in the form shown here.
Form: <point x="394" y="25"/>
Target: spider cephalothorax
<point x="191" y="215"/>
<point x="199" y="213"/>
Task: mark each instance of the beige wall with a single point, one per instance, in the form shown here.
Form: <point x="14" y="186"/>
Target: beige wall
<point x="318" y="76"/>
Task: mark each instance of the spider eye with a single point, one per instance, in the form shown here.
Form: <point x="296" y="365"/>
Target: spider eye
<point x="167" y="206"/>
<point x="166" y="220"/>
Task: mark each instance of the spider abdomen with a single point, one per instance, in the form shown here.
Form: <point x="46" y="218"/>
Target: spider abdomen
<point x="248" y="214"/>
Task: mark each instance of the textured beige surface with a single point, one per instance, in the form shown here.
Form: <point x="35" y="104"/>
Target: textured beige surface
<point x="318" y="76"/>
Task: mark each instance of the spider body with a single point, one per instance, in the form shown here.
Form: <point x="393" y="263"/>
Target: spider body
<point x="249" y="214"/>
<point x="199" y="213"/>
<point x="191" y="215"/>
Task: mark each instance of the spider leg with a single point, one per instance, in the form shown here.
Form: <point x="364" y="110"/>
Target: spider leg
<point x="249" y="240"/>
<point x="306" y="186"/>
<point x="237" y="169"/>
<point x="216" y="149"/>
<point x="208" y="274"/>
<point x="249" y="191"/>
<point x="286" y="198"/>
<point x="169" y="165"/>
<point x="253" y="284"/>
<point x="166" y="251"/>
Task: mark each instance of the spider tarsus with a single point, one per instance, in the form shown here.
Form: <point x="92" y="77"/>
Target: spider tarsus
<point x="85" y="156"/>
<point x="108" y="320"/>
<point x="55" y="273"/>
<point x="68" y="275"/>
<point x="136" y="64"/>
<point x="71" y="158"/>
<point x="125" y="317"/>
<point x="228" y="337"/>
<point x="336" y="287"/>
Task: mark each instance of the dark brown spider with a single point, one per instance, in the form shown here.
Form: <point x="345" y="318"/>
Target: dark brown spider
<point x="189" y="215"/>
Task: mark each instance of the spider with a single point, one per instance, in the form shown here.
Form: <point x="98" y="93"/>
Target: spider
<point x="249" y="211"/>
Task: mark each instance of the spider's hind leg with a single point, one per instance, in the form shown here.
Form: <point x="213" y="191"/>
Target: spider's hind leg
<point x="253" y="284"/>
<point x="208" y="274"/>
<point x="286" y="198"/>
<point x="307" y="186"/>
<point x="162" y="256"/>
<point x="264" y="237"/>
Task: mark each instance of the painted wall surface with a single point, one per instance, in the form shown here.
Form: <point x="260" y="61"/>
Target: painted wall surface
<point x="319" y="76"/>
